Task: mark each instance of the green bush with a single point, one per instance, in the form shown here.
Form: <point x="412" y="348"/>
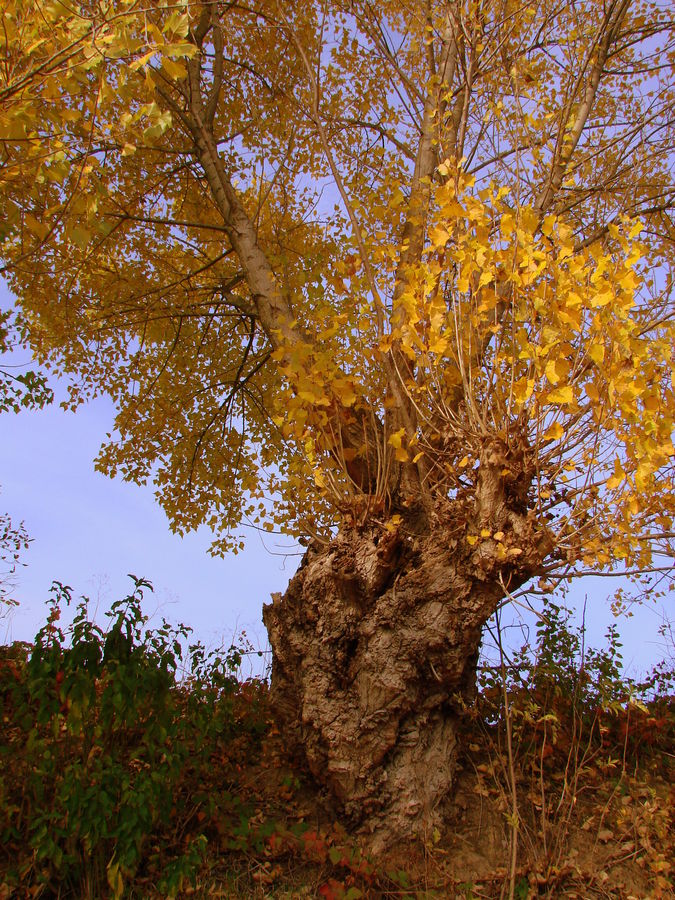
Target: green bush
<point x="575" y="691"/>
<point x="107" y="740"/>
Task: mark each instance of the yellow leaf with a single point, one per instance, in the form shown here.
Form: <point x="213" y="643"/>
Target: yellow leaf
<point x="439" y="237"/>
<point x="344" y="391"/>
<point x="592" y="392"/>
<point x="523" y="389"/>
<point x="396" y="439"/>
<point x="547" y="225"/>
<point x="438" y="345"/>
<point x="463" y="282"/>
<point x="173" y="69"/>
<point x="396" y="198"/>
<point x="177" y="23"/>
<point x="80" y="236"/>
<point x="463" y="462"/>
<point x="597" y="353"/>
<point x="115" y="880"/>
<point x="651" y="402"/>
<point x="619" y="475"/>
<point x="529" y="219"/>
<point x="471" y="539"/>
<point x="629" y="281"/>
<point x="41" y="229"/>
<point x="139" y="63"/>
<point x="453" y="210"/>
<point x="556" y="369"/>
<point x="507" y="225"/>
<point x="393" y="523"/>
<point x="485" y="533"/>
<point x="181" y="50"/>
<point x="310" y="396"/>
<point x="602" y="298"/>
<point x="561" y="395"/>
<point x="554" y="433"/>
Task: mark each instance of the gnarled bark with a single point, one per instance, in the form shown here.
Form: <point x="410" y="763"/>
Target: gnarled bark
<point x="374" y="641"/>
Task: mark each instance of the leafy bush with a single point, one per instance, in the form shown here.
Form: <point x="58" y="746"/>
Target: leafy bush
<point x="561" y="675"/>
<point x="571" y="746"/>
<point x="107" y="740"/>
<point x="129" y="765"/>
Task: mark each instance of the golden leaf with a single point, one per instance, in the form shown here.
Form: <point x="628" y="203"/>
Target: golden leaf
<point x="396" y="439"/>
<point x="592" y="391"/>
<point x="393" y="523"/>
<point x="507" y="225"/>
<point x="556" y="369"/>
<point x="547" y="224"/>
<point x="597" y="353"/>
<point x="439" y="236"/>
<point x="438" y="345"/>
<point x="561" y="395"/>
<point x="523" y="389"/>
<point x="344" y="391"/>
<point x="174" y="69"/>
<point x="619" y="475"/>
<point x="554" y="433"/>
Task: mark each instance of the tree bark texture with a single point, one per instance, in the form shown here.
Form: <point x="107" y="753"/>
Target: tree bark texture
<point x="374" y="642"/>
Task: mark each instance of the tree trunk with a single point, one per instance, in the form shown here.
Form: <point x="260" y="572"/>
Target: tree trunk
<point x="373" y="643"/>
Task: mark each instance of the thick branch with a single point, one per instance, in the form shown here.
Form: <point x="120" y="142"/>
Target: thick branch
<point x="568" y="140"/>
<point x="356" y="431"/>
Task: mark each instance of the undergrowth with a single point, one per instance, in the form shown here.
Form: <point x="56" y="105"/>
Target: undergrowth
<point x="134" y="763"/>
<point x="578" y="757"/>
<point x="109" y="747"/>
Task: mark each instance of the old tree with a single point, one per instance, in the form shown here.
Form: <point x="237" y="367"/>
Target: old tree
<point x="395" y="277"/>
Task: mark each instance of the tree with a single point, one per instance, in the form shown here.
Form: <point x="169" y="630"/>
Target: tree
<point x="23" y="389"/>
<point x="26" y="390"/>
<point x="393" y="277"/>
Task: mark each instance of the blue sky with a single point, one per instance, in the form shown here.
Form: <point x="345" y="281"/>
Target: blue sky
<point x="89" y="531"/>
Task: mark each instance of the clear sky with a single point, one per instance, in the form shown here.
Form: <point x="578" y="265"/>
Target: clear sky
<point x="89" y="531"/>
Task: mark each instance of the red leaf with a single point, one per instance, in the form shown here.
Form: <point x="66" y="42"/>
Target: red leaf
<point x="331" y="890"/>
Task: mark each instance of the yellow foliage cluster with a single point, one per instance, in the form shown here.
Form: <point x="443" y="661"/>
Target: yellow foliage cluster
<point x="168" y="185"/>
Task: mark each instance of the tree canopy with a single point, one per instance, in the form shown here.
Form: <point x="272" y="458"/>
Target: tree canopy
<point x="392" y="260"/>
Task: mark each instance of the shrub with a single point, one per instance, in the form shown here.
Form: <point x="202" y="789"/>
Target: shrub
<point x="108" y="740"/>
